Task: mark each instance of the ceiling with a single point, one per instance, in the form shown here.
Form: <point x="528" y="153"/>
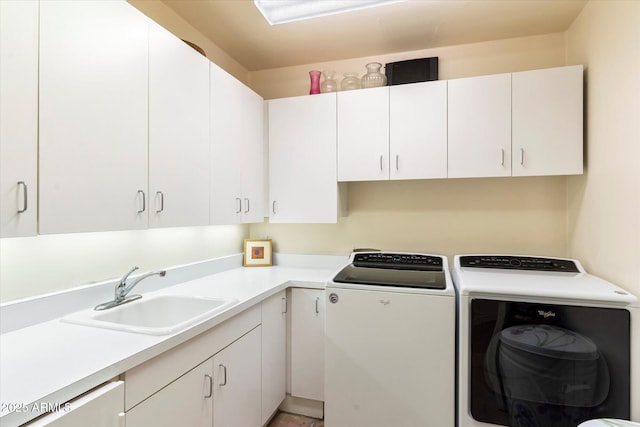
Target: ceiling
<point x="238" y="28"/>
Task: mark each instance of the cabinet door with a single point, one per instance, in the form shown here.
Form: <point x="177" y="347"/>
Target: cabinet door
<point x="101" y="407"/>
<point x="237" y="383"/>
<point x="237" y="150"/>
<point x="302" y="159"/>
<point x="178" y="132"/>
<point x="547" y="121"/>
<point x="93" y="116"/>
<point x="363" y="135"/>
<point x="274" y="344"/>
<point x="18" y="117"/>
<point x="418" y="130"/>
<point x="307" y="343"/>
<point x="186" y="402"/>
<point x="252" y="164"/>
<point x="479" y="126"/>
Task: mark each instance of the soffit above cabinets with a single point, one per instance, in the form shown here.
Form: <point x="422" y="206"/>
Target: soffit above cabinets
<point x="241" y="31"/>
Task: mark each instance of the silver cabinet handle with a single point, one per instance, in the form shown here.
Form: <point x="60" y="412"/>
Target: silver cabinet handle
<point x="522" y="157"/>
<point x="284" y="305"/>
<point x="397" y="166"/>
<point x="248" y="205"/>
<point x="144" y="201"/>
<point x="238" y="205"/>
<point x="502" y="157"/>
<point x="210" y="382"/>
<point x="273" y="207"/>
<point x="225" y="375"/>
<point x="317" y="302"/>
<point x="24" y="195"/>
<point x="161" y="195"/>
<point x="381" y="163"/>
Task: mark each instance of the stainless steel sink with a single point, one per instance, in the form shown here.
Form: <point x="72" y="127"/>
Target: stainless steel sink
<point x="156" y="315"/>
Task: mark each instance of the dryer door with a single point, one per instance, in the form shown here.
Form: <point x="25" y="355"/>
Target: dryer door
<point x="548" y="364"/>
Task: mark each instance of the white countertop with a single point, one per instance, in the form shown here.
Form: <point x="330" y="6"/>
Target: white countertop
<point x="55" y="361"/>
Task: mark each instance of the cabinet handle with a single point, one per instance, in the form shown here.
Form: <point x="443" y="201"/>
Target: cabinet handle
<point x="161" y="194"/>
<point x="381" y="163"/>
<point x="273" y="207"/>
<point x="210" y="382"/>
<point x="502" y="157"/>
<point x="24" y="195"/>
<point x="225" y="375"/>
<point x="317" y="308"/>
<point x="522" y="157"/>
<point x="238" y="205"/>
<point x="248" y="205"/>
<point x="397" y="166"/>
<point x="284" y="305"/>
<point x="144" y="201"/>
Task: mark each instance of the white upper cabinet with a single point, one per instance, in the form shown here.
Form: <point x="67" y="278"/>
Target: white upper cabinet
<point x="418" y="130"/>
<point x="363" y="134"/>
<point x="237" y="151"/>
<point x="93" y="116"/>
<point x="397" y="132"/>
<point x="303" y="186"/>
<point x="479" y="126"/>
<point x="178" y="132"/>
<point x="18" y="117"/>
<point x="547" y="121"/>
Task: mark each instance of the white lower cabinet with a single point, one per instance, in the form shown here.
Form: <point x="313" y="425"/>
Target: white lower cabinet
<point x="274" y="348"/>
<point x="184" y="402"/>
<point x="223" y="391"/>
<point x="307" y="343"/>
<point x="102" y="407"/>
<point x="236" y="383"/>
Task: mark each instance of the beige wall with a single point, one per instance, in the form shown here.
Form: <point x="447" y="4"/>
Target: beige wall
<point x="475" y="59"/>
<point x="604" y="204"/>
<point x="500" y="215"/>
<point x="43" y="264"/>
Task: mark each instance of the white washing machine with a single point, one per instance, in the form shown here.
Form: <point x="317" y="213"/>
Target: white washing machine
<point x="390" y="342"/>
<point x="543" y="343"/>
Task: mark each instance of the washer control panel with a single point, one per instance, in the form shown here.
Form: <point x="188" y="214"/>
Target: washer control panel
<point x="508" y="262"/>
<point x="398" y="261"/>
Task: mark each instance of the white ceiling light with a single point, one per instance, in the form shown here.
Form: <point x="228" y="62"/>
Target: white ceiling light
<point x="282" y="11"/>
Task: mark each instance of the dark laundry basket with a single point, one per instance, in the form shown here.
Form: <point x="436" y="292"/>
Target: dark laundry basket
<point x="550" y="376"/>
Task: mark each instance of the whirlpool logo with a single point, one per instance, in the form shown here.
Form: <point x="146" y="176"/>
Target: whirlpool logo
<point x="546" y="314"/>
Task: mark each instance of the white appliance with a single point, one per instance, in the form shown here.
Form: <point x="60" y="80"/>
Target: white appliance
<point x="542" y="342"/>
<point x="390" y="342"/>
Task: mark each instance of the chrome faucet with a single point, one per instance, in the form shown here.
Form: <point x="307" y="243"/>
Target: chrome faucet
<point x="122" y="289"/>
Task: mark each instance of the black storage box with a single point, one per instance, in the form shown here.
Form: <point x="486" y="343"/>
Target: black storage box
<point x="411" y="71"/>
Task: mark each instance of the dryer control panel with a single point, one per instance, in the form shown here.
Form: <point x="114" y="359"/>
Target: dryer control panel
<point x="514" y="262"/>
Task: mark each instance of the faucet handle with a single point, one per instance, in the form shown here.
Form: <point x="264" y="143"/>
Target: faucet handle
<point x="123" y="281"/>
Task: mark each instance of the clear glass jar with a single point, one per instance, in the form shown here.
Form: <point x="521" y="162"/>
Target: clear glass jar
<point x="329" y="84"/>
<point x="374" y="78"/>
<point x="350" y="82"/>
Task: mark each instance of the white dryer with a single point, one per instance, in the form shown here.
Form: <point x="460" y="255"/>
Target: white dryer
<point x="543" y="343"/>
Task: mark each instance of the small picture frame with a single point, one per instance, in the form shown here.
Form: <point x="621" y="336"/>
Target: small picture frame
<point x="257" y="253"/>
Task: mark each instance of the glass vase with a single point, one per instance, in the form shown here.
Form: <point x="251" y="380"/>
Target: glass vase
<point x="373" y="78"/>
<point x="329" y="84"/>
<point x="350" y="81"/>
<point x="315" y="82"/>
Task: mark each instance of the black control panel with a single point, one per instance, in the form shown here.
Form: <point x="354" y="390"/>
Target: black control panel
<point x="398" y="261"/>
<point x="519" y="263"/>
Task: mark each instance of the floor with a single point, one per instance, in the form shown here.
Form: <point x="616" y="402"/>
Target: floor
<point x="284" y="419"/>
